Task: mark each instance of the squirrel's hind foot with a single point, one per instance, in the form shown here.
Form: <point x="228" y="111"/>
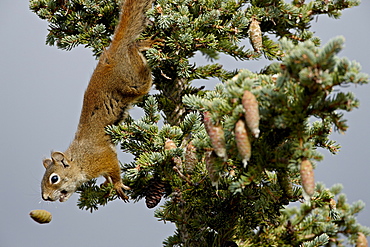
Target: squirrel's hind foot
<point x="120" y="187"/>
<point x="122" y="194"/>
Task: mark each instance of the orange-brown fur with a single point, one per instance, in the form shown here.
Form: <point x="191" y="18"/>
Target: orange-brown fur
<point x="120" y="78"/>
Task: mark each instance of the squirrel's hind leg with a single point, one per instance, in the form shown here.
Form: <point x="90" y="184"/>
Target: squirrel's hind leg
<point x="118" y="186"/>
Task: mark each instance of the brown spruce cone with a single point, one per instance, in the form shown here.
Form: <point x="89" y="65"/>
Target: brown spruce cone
<point x="307" y="177"/>
<point x="216" y="134"/>
<point x="255" y="35"/>
<point x="361" y="240"/>
<point x="190" y="158"/>
<point x="242" y="141"/>
<point x="155" y="192"/>
<point x="41" y="216"/>
<point x="285" y="184"/>
<point x="252" y="115"/>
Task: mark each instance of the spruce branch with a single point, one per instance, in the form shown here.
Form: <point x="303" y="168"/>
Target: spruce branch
<point x="93" y="196"/>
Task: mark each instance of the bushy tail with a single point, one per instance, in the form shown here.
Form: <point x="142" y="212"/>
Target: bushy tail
<point x="132" y="21"/>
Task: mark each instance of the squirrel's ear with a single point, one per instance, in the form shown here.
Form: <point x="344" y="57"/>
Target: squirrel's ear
<point x="57" y="156"/>
<point x="47" y="162"/>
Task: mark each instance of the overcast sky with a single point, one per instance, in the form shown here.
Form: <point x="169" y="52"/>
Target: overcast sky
<point x="40" y="102"/>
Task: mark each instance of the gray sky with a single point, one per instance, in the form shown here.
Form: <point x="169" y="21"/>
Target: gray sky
<point x="40" y="102"/>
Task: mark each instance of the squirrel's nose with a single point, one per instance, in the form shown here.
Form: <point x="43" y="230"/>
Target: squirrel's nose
<point x="46" y="198"/>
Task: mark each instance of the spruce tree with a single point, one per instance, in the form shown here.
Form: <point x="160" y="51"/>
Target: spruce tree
<point x="227" y="162"/>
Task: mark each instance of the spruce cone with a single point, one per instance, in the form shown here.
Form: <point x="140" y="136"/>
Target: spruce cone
<point x="41" y="216"/>
<point x="255" y="35"/>
<point x="307" y="177"/>
<point x="213" y="173"/>
<point x="242" y="141"/>
<point x="169" y="144"/>
<point x="176" y="196"/>
<point x="156" y="189"/>
<point x="190" y="158"/>
<point x="216" y="134"/>
<point x="332" y="204"/>
<point x="361" y="240"/>
<point x="285" y="183"/>
<point x="252" y="116"/>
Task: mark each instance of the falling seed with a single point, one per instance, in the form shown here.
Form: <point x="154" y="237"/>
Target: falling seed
<point x="41" y="216"/>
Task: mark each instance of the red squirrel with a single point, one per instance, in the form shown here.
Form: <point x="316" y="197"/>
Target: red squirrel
<point x="120" y="78"/>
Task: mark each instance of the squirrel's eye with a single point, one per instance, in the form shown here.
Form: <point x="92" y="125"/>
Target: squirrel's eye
<point x="54" y="178"/>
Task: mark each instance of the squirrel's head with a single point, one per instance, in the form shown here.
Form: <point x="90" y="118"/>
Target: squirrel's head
<point x="61" y="179"/>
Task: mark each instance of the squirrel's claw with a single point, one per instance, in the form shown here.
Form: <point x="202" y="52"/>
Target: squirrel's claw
<point x="122" y="194"/>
